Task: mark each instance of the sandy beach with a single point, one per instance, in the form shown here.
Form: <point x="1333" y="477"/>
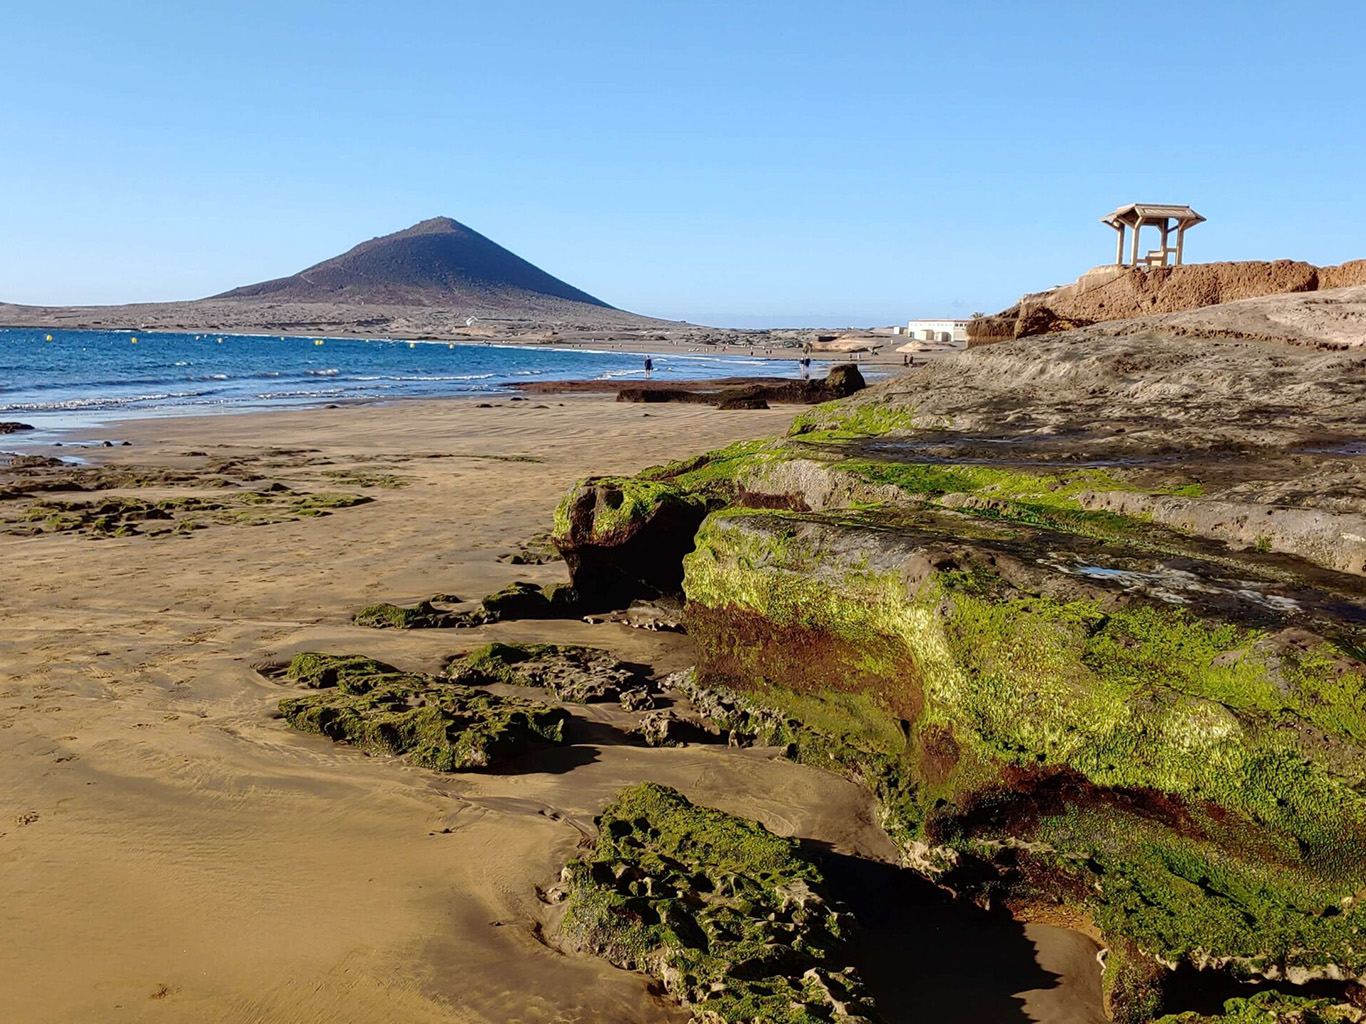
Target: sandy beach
<point x="172" y="852"/>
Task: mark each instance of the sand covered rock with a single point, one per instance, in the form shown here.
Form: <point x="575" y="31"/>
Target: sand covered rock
<point x="734" y="922"/>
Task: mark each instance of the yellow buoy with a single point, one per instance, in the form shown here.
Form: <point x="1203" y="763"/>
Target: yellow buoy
<point x="49" y="337"/>
<point x="135" y="341"/>
<point x="412" y="344"/>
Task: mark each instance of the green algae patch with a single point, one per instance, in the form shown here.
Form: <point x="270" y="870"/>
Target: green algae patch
<point x="428" y="721"/>
<point x="624" y="502"/>
<point x="734" y="921"/>
<point x="936" y="479"/>
<point x="1272" y="1008"/>
<point x="424" y="615"/>
<point x="367" y="478"/>
<point x="842" y="419"/>
<point x="717" y="470"/>
<point x="351" y="673"/>
<point x="121" y="516"/>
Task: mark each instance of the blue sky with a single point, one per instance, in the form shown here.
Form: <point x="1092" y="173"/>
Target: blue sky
<point x="746" y="163"/>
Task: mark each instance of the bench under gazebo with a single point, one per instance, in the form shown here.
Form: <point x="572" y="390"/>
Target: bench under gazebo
<point x="1165" y="218"/>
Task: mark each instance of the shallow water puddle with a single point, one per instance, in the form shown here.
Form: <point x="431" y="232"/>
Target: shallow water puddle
<point x="1179" y="586"/>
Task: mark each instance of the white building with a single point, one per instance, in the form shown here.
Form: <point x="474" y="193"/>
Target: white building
<point x="945" y="331"/>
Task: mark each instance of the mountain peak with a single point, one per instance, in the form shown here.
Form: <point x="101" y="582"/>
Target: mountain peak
<point x="437" y="262"/>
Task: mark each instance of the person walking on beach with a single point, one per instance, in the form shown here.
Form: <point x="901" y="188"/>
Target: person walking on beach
<point x="649" y="365"/>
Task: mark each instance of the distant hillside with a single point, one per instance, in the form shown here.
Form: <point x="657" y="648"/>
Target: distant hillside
<point x="439" y="262"/>
<point x="436" y="279"/>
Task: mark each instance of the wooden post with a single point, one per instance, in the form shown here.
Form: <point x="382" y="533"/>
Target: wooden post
<point x="1133" y="252"/>
<point x="1165" y="229"/>
<point x="1180" y="242"/>
<point x="1119" y="252"/>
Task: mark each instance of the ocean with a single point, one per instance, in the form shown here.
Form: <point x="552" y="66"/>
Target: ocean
<point x="58" y="379"/>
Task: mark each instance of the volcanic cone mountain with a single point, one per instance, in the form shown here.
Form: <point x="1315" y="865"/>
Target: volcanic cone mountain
<point x="439" y="262"/>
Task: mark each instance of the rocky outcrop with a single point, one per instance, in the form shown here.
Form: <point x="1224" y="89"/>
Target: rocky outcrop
<point x="1059" y="735"/>
<point x="842" y="381"/>
<point x="1325" y="538"/>
<point x="1116" y="293"/>
<point x="1086" y="616"/>
<point x="576" y="675"/>
<point x="624" y="538"/>
<point x="430" y="722"/>
<point x="733" y="921"/>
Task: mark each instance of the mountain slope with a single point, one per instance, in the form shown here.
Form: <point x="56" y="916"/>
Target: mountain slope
<point x="439" y="262"/>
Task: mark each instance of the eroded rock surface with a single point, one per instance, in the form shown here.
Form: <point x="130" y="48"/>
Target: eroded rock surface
<point x="733" y="921"/>
<point x="1110" y="293"/>
<point x="429" y="721"/>
<point x="576" y="675"/>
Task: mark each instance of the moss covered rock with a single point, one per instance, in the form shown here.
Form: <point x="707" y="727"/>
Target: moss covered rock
<point x="424" y="615"/>
<point x="732" y="920"/>
<point x="1274" y="1008"/>
<point x="1182" y="773"/>
<point x="578" y="675"/>
<point x="625" y="537"/>
<point x="430" y="722"/>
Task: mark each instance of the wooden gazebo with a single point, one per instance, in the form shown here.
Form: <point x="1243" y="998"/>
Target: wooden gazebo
<point x="1163" y="217"/>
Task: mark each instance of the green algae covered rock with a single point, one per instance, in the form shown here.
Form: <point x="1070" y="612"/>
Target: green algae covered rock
<point x="424" y="615"/>
<point x="1273" y="1008"/>
<point x="730" y="918"/>
<point x="351" y="673"/>
<point x="430" y="722"/>
<point x="1191" y="779"/>
<point x="625" y="537"/>
<point x="577" y="675"/>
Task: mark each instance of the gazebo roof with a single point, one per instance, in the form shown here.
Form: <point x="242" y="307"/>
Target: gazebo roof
<point x="1140" y="213"/>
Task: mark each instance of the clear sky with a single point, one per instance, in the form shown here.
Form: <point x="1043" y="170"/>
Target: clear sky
<point x="742" y="162"/>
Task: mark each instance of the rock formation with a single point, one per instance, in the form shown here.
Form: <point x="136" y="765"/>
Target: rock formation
<point x="733" y="921"/>
<point x="1085" y="613"/>
<point x="433" y="723"/>
<point x="1115" y="293"/>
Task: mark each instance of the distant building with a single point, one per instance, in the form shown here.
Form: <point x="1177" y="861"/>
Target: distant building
<point x="951" y="332"/>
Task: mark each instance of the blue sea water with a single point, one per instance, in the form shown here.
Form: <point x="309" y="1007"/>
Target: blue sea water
<point x="80" y="378"/>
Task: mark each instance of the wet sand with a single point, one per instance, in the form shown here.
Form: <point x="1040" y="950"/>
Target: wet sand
<point x="172" y="852"/>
